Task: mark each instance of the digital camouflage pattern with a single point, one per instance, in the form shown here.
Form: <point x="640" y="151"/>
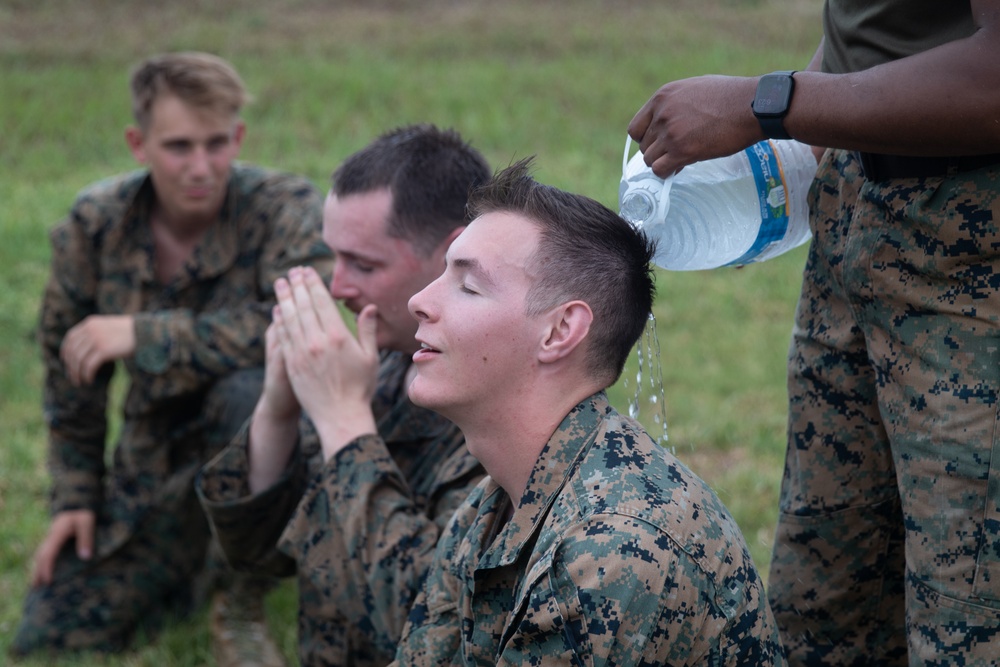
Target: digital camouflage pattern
<point x="888" y="544"/>
<point x="359" y="531"/>
<point x="617" y="554"/>
<point x="208" y="323"/>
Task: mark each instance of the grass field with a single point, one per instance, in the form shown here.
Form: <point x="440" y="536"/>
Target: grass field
<point x="560" y="80"/>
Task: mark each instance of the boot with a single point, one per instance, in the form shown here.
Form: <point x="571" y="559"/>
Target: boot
<point x="240" y="636"/>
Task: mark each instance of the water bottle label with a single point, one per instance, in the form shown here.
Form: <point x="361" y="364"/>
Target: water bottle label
<point x="771" y="197"/>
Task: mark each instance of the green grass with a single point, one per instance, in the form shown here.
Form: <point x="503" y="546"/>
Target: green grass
<point x="557" y="79"/>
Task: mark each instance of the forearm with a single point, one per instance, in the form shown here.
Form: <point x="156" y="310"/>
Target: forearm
<point x="77" y="432"/>
<point x="945" y="101"/>
<point x="270" y="448"/>
<point x="247" y="524"/>
<point x="181" y="352"/>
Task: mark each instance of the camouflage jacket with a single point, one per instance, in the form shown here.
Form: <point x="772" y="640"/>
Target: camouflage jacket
<point x="617" y="554"/>
<point x="359" y="530"/>
<point x="208" y="321"/>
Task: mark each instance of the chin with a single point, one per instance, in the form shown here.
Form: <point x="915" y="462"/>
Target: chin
<point x="421" y="398"/>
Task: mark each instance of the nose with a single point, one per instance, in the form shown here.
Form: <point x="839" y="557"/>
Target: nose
<point x="418" y="305"/>
<point x="341" y="286"/>
<point x="199" y="164"/>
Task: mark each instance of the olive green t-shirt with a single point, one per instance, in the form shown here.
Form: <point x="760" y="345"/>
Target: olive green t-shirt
<point x="863" y="33"/>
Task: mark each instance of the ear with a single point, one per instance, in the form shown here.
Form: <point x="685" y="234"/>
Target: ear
<point x="568" y="326"/>
<point x="439" y="252"/>
<point x="451" y="237"/>
<point x="136" y="143"/>
<point x="239" y="132"/>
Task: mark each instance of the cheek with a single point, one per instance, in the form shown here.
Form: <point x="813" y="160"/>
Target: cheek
<point x="222" y="163"/>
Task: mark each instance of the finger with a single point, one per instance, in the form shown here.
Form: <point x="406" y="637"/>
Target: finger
<point x="85" y="536"/>
<point x="665" y="165"/>
<point x="324" y="307"/>
<point x="304" y="308"/>
<point x="285" y="312"/>
<point x="89" y="366"/>
<point x="69" y="355"/>
<point x="45" y="557"/>
<point x="367" y="329"/>
<point x="272" y="337"/>
<point x="41" y="574"/>
<point x="640" y="122"/>
<point x="279" y="326"/>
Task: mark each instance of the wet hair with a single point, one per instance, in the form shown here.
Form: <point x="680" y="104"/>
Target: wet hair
<point x="199" y="79"/>
<point x="428" y="171"/>
<point x="585" y="251"/>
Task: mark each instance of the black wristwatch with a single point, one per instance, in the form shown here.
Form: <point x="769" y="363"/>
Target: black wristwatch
<point x="770" y="103"/>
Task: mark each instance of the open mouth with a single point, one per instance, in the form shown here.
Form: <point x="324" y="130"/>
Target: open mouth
<point x="425" y="352"/>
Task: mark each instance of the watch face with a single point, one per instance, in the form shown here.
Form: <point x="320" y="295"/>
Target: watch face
<point x="773" y="95"/>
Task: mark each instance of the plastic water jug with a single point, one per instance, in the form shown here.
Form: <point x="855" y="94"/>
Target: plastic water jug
<point x="733" y="210"/>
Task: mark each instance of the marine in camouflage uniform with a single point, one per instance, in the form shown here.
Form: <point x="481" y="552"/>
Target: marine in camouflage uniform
<point x="887" y="549"/>
<point x="888" y="542"/>
<point x="616" y="554"/>
<point x="339" y="477"/>
<point x="360" y="531"/>
<point x="588" y="543"/>
<point x="193" y="380"/>
<point x="890" y="510"/>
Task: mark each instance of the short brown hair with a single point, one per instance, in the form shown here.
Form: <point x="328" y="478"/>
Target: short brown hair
<point x="199" y="79"/>
<point x="429" y="172"/>
<point x="586" y="251"/>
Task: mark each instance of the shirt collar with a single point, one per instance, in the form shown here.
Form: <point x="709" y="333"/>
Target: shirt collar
<point x="554" y="466"/>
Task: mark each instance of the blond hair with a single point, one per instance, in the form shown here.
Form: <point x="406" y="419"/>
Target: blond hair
<point x="199" y="79"/>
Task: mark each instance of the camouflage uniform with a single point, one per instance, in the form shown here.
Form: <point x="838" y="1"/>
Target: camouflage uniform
<point x="195" y="375"/>
<point x="616" y="555"/>
<point x="889" y="530"/>
<point x="360" y="530"/>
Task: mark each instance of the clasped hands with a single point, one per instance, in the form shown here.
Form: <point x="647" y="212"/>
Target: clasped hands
<point x="315" y="363"/>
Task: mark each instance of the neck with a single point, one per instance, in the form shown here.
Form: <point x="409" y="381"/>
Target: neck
<point x="184" y="229"/>
<point x="508" y="439"/>
<point x="173" y="245"/>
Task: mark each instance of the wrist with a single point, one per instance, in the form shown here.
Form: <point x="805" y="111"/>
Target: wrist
<point x="336" y="433"/>
<point x="771" y="102"/>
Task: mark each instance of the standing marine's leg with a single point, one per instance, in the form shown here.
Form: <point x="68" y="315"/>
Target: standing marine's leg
<point x="836" y="579"/>
<point x="933" y="330"/>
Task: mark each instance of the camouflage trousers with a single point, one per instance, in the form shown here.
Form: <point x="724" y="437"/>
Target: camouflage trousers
<point x="133" y="583"/>
<point x="888" y="544"/>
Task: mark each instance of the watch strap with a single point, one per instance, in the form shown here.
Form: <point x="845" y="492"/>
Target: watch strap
<point x="774" y="128"/>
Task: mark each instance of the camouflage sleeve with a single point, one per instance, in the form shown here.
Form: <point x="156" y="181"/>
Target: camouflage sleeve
<point x="248" y="526"/>
<point x="196" y="348"/>
<point x="75" y="416"/>
<point x="363" y="540"/>
<point x="433" y="632"/>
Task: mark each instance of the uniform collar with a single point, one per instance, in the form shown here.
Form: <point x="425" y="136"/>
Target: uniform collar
<point x="214" y="255"/>
<point x="553" y="468"/>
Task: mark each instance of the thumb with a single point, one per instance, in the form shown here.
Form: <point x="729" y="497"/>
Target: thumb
<point x="367" y="325"/>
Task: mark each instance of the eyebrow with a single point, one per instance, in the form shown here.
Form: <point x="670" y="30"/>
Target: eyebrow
<point x="350" y="255"/>
<point x="473" y="266"/>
